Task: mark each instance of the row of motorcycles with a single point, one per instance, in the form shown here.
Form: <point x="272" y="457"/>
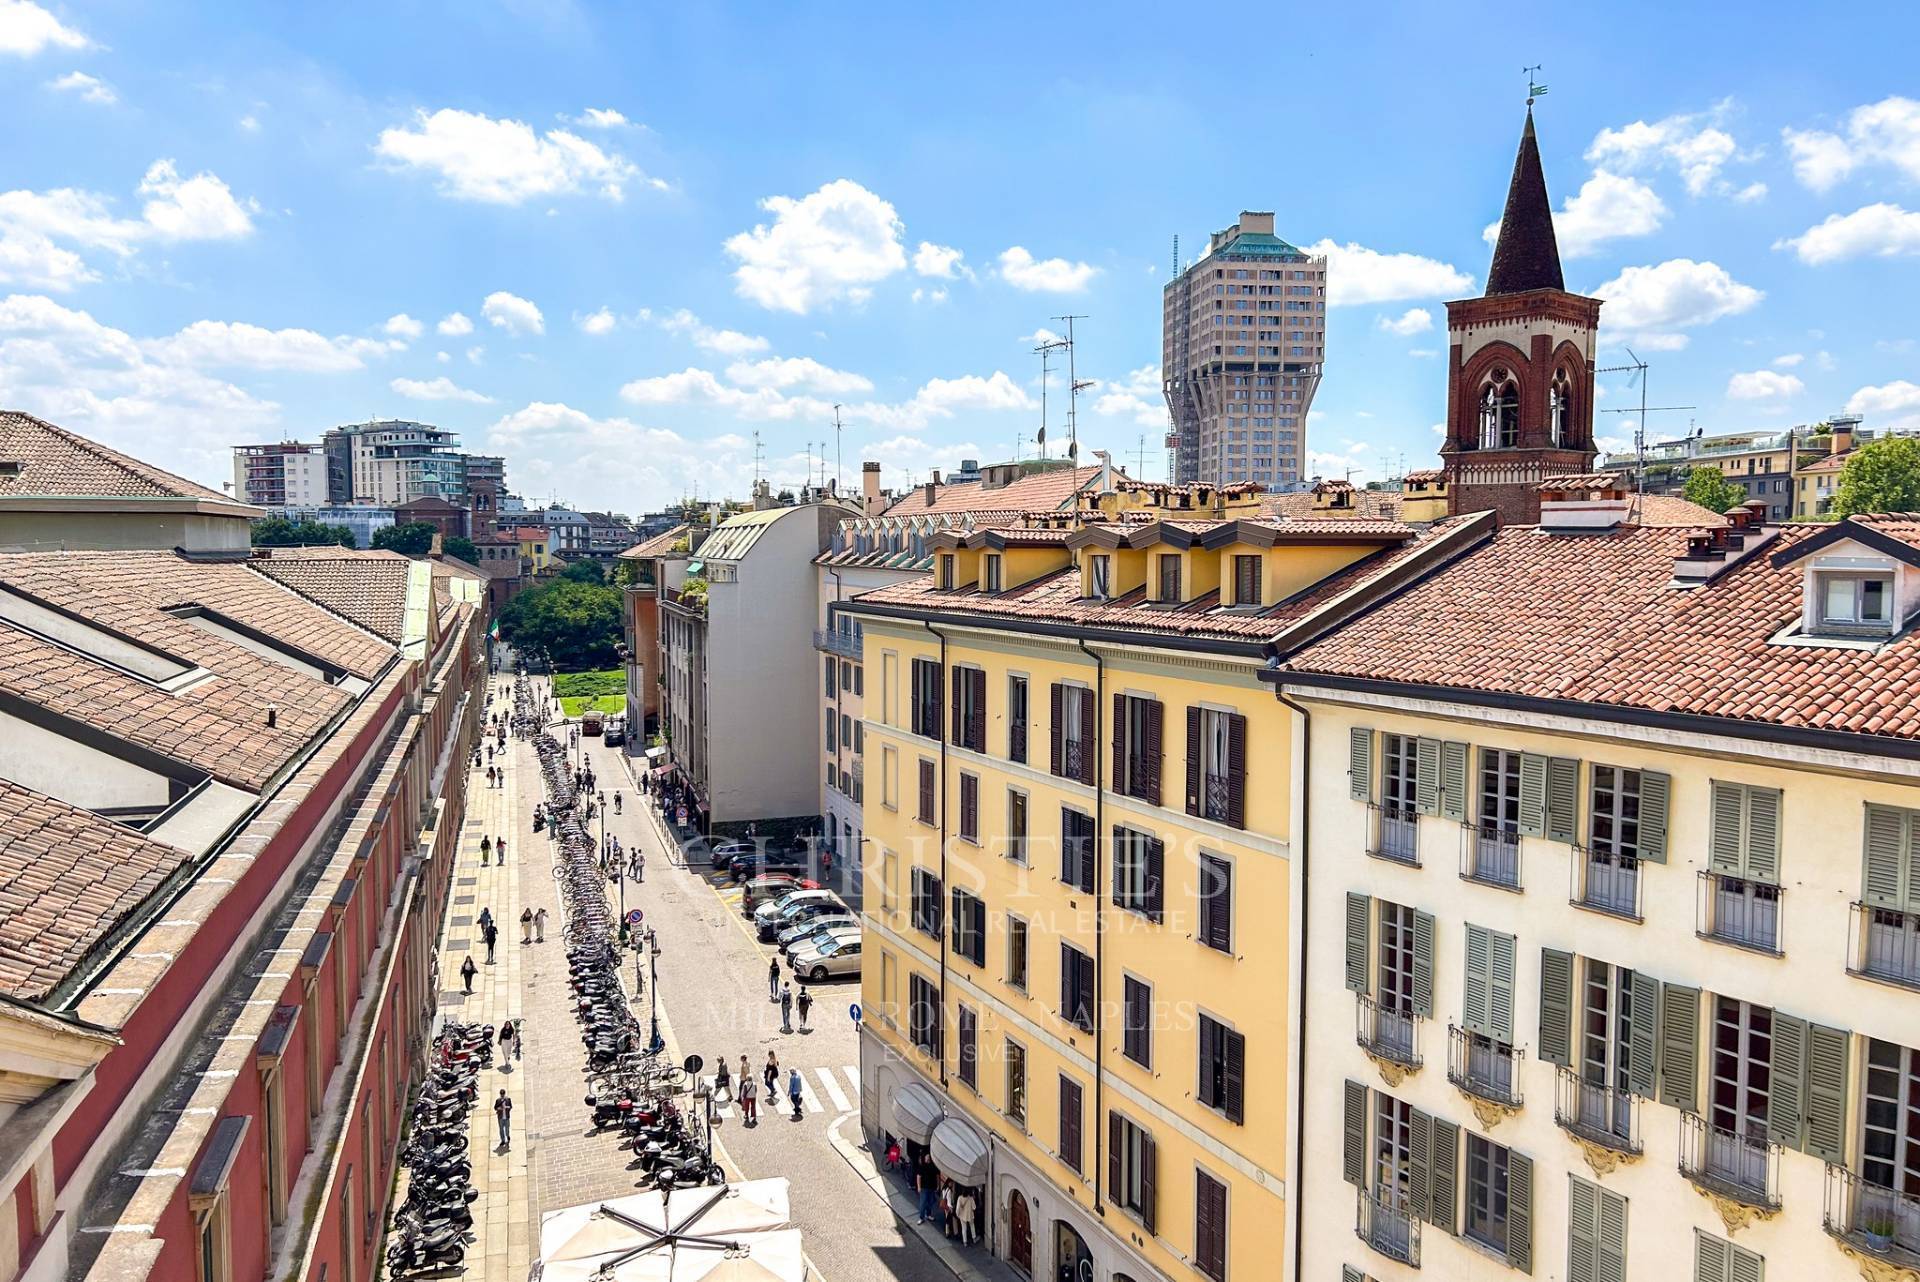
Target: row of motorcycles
<point x="433" y="1227"/>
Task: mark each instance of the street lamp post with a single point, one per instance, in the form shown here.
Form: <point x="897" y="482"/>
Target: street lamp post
<point x="654" y="1042"/>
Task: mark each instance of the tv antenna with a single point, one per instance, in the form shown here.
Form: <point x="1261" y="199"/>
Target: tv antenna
<point x="838" y="478"/>
<point x="1176" y="253"/>
<point x="1045" y="352"/>
<point x="1638" y="378"/>
<point x="1074" y="385"/>
<point x="1534" y="88"/>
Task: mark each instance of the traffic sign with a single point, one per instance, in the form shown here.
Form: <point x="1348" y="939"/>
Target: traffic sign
<point x="635" y="916"/>
<point x="693" y="1064"/>
<point x="854" y="1012"/>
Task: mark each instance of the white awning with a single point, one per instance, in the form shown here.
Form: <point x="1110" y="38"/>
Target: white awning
<point x="959" y="1152"/>
<point x="659" y="751"/>
<point x="916" y="1111"/>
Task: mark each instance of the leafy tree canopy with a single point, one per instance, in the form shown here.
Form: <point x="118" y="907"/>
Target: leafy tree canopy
<point x="584" y="571"/>
<point x="1880" y="476"/>
<point x="412" y="539"/>
<point x="1712" y="490"/>
<point x="461" y="546"/>
<point x="279" y="532"/>
<point x="577" y="623"/>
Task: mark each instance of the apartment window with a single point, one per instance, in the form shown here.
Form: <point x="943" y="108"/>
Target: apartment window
<point x="1209" y="1226"/>
<point x="970" y="927"/>
<point x="1394" y="979"/>
<point x="833" y="740"/>
<point x="927" y="905"/>
<point x="1848" y="603"/>
<point x="1017" y="719"/>
<point x="1216" y="903"/>
<point x="1223" y="1068"/>
<point x="1169" y="577"/>
<point x="1399" y="835"/>
<point x="970" y="709"/>
<point x="1216" y="766"/>
<point x="969" y="1023"/>
<point x="1137" y="747"/>
<point x="1486" y="1192"/>
<point x="1131" y="1168"/>
<point x="1613" y="848"/>
<point x="1072" y="1115"/>
<point x="923" y="1015"/>
<point x="1890" y="1142"/>
<point x="859" y="680"/>
<point x="1016" y="1060"/>
<point x="889" y="876"/>
<point x="1718" y="1260"/>
<point x="925" y="813"/>
<point x="1890" y="895"/>
<point x="946" y="573"/>
<point x="1073" y="717"/>
<point x="890" y="777"/>
<point x="1246" y="580"/>
<point x="1076" y="988"/>
<point x="1742" y="1058"/>
<point x="1016" y="825"/>
<point x="1596" y="1233"/>
<point x="832" y="668"/>
<point x="1136" y="1037"/>
<point x="1393" y="1160"/>
<point x="1486" y="1015"/>
<point x="1017" y="953"/>
<point x="990" y="573"/>
<point x="970" y="807"/>
<point x="846" y="732"/>
<point x="1139" y="871"/>
<point x="1496" y="840"/>
<point x="926" y="698"/>
<point x="1743" y="867"/>
<point x="1077" y="841"/>
<point x="1100" y="576"/>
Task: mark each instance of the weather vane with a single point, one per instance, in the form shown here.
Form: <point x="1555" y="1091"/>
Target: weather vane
<point x="1534" y="90"/>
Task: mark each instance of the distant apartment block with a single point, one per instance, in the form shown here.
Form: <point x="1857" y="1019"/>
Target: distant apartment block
<point x="289" y="473"/>
<point x="1244" y="334"/>
<point x="393" y="461"/>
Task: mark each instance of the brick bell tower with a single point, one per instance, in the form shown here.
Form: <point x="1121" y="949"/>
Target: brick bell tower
<point x="1520" y="367"/>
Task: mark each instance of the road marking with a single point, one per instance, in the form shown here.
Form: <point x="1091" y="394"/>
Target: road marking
<point x="834" y="1093"/>
<point x="853" y="1075"/>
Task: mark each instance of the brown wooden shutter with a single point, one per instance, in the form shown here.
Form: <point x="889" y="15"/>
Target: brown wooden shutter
<point x="1089" y="737"/>
<point x="1236" y="1078"/>
<point x="977" y="719"/>
<point x="1149" y="1179"/>
<point x="1236" y="770"/>
<point x="1156" y="878"/>
<point x="1116" y="1159"/>
<point x="1151" y="750"/>
<point x="1070" y="1122"/>
<point x="1194" y="784"/>
<point x="1118" y="780"/>
<point x="926" y="791"/>
<point x="959" y="708"/>
<point x="1059" y="727"/>
<point x="1209" y="1226"/>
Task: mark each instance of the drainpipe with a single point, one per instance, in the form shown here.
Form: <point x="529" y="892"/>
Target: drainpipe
<point x="1306" y="923"/>
<point x="940" y="804"/>
<point x="1099" y="937"/>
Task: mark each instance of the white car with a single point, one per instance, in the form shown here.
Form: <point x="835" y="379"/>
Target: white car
<point x="797" y="935"/>
<point x="839" y="955"/>
<point x="784" y="908"/>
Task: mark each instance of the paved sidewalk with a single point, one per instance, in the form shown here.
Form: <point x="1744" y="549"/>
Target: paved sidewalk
<point x="968" y="1264"/>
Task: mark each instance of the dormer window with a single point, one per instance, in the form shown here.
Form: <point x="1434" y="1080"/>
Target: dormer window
<point x="946" y="573"/>
<point x="1099" y="576"/>
<point x="1246" y="580"/>
<point x="1169" y="578"/>
<point x="1852" y="604"/>
<point x="990" y="573"/>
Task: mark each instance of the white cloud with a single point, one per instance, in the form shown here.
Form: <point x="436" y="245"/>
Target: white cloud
<point x="1883" y="133"/>
<point x="1046" y="275"/>
<point x="1881" y="230"/>
<point x="937" y="294"/>
<point x="693" y="386"/>
<point x="1888" y="398"/>
<point x="797" y="371"/>
<point x="250" y="124"/>
<point x="937" y="398"/>
<point x="503" y="162"/>
<point x="198" y="208"/>
<point x="1788" y="361"/>
<point x="1607" y="207"/>
<point x="512" y="313"/>
<point x="1824" y="361"/>
<point x="37" y="228"/>
<point x="26" y="29"/>
<point x="1137" y="398"/>
<point x="907" y="459"/>
<point x="437" y="389"/>
<point x="442" y="357"/>
<point x="940" y="260"/>
<point x="833" y="244"/>
<point x="402" y="325"/>
<point x="597" y="323"/>
<point x="1691" y="145"/>
<point x="636" y="467"/>
<point x="476" y="355"/>
<point x="601" y="118"/>
<point x="726" y="342"/>
<point x="1415" y="320"/>
<point x="30" y="258"/>
<point x="454" y="324"/>
<point x="221" y="344"/>
<point x="1356" y="275"/>
<point x="1751" y="192"/>
<point x="1763" y="385"/>
<point x="1424" y="353"/>
<point x="89" y="88"/>
<point x="1647" y="305"/>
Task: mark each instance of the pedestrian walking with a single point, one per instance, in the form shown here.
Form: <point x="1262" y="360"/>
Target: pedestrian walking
<point x="491" y="934"/>
<point x="805" y="1004"/>
<point x="773" y="979"/>
<point x="947" y="1224"/>
<point x="749" y="1102"/>
<point x="639" y="867"/>
<point x="486" y="850"/>
<point x="506" y="1042"/>
<point x="793" y="1091"/>
<point x="969" y="1224"/>
<point x="786" y="1006"/>
<point x="722" y="1080"/>
<point x="771" y="1076"/>
<point x="746" y="1074"/>
<point x="616" y="801"/>
<point x="503" y="1114"/>
<point x="486" y="918"/>
<point x="502" y="847"/>
<point x="540" y="926"/>
<point x="526" y="925"/>
<point x="926" y="1182"/>
<point x="467" y="971"/>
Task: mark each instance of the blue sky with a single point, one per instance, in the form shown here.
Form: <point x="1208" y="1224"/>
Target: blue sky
<point x="611" y="242"/>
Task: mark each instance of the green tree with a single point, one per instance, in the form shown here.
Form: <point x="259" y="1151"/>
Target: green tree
<point x="279" y="532"/>
<point x="412" y="539"/>
<point x="579" y="624"/>
<point x="584" y="571"/>
<point x="1880" y="476"/>
<point x="1712" y="490"/>
<point x="461" y="547"/>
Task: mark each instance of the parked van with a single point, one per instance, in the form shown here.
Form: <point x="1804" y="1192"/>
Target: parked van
<point x="592" y="723"/>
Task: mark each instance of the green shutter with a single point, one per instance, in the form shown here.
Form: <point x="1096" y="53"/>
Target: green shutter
<point x="1709" y="1258"/>
<point x="1644" y="1042"/>
<point x="1443" y="1166"/>
<point x="1350" y="1274"/>
<point x="1786" y="1099"/>
<point x="1533" y="794"/>
<point x="1474" y="996"/>
<point x="1679" y="1046"/>
<point x="1353" y="1147"/>
<point x="1360" y="763"/>
<point x="1583" y="1231"/>
<point x="1563" y="799"/>
<point x="1885" y="882"/>
<point x="1726" y="843"/>
<point x="1359" y="920"/>
<point x="1611" y="1261"/>
<point x="1826" y="1109"/>
<point x="1500" y="958"/>
<point x="1656" y="791"/>
<point x="1556" y="1007"/>
<point x="1453" y="780"/>
<point x="1763" y="835"/>
<point x="1426" y="775"/>
<point x="1519" y="1212"/>
<point x="1423" y="965"/>
<point x="1420" y="1165"/>
<point x="1744" y="1266"/>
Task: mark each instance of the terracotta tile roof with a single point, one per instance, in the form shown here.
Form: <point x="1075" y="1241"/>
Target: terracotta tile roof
<point x="1382" y="505"/>
<point x="529" y="533"/>
<point x="369" y="588"/>
<point x="1426" y="474"/>
<point x="55" y="463"/>
<point x="1049" y="490"/>
<point x="1593" y="619"/>
<point x="1831" y="463"/>
<point x="1579" y="481"/>
<point x="659" y="545"/>
<point x="67" y="877"/>
<point x="1671" y="509"/>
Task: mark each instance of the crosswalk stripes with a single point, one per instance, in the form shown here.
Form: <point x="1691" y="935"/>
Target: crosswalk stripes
<point x="809" y="1093"/>
<point x="834" y="1093"/>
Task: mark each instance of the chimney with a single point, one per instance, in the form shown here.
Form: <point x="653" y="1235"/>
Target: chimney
<point x="870" y="487"/>
<point x="935" y="475"/>
<point x="1252" y="221"/>
<point x="1842" y="438"/>
<point x="1710" y="552"/>
<point x="928" y="490"/>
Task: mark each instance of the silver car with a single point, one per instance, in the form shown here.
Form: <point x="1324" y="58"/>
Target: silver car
<point x="836" y="956"/>
<point x="797" y="935"/>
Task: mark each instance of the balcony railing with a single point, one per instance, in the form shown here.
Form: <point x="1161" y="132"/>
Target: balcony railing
<point x="833" y="641"/>
<point x="1390" y="1034"/>
<point x="1732" y="910"/>
<point x="1885" y="945"/>
<point x="1072" y="758"/>
<point x="1606" y="882"/>
<point x="1216" y="798"/>
<point x="1745" y="1168"/>
<point x="1394" y="834"/>
<point x="1482" y="1067"/>
<point x="1490" y="855"/>
<point x="1388" y="1229"/>
<point x="1873" y="1218"/>
<point x="1598" y="1114"/>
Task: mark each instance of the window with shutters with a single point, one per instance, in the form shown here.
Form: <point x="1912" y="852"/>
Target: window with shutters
<point x="924" y="810"/>
<point x="1887" y="917"/>
<point x="833" y="738"/>
<point x="1728" y="1150"/>
<point x="1136" y="1013"/>
<point x="1139" y="869"/>
<point x="1137" y="747"/>
<point x="1017" y="953"/>
<point x="1396" y="828"/>
<point x="968" y="1021"/>
<point x="1610" y="875"/>
<point x="990" y="573"/>
<point x="1596" y="1233"/>
<point x="1223" y="1068"/>
<point x="1076" y="988"/>
<point x="970" y="808"/>
<point x="1885" y="1199"/>
<point x="1216" y="902"/>
<point x="1016" y="1062"/>
<point x="1099" y="576"/>
<point x="1169" y="592"/>
<point x="1072" y="1120"/>
<point x="1394" y="979"/>
<point x="970" y="927"/>
<point x="1597" y="1096"/>
<point x="1077" y="841"/>
<point x="1389" y="1224"/>
<point x="1486" y="1217"/>
<point x="923" y="1015"/>
<point x="1389" y="965"/>
<point x="1016" y="825"/>
<point x="1718" y="1260"/>
<point x="926" y="698"/>
<point x="1017" y="715"/>
<point x="928" y="910"/>
<point x="1217" y="790"/>
<point x="970" y="709"/>
<point x="1495" y="845"/>
<point x="1132" y="1159"/>
<point x="947" y="571"/>
<point x="832" y="670"/>
<point x="1481" y="1059"/>
<point x="1209" y="1226"/>
<point x="1073" y="732"/>
<point x="1246" y="580"/>
<point x="1740" y="887"/>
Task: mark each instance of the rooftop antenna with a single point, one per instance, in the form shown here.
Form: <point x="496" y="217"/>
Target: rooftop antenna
<point x="1073" y="393"/>
<point x="1045" y="352"/>
<point x="1638" y="378"/>
<point x="759" y="456"/>
<point x="838" y="479"/>
<point x="1534" y="88"/>
<point x="1176" y="253"/>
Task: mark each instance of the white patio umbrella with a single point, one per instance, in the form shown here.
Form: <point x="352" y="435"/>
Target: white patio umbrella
<point x="737" y="1233"/>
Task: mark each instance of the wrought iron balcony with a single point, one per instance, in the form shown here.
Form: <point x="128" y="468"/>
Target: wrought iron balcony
<point x="1872" y="1218"/>
<point x="1393" y="833"/>
<point x="1885" y="945"/>
<point x="1597" y="1114"/>
<point x="1388" y="1229"/>
<point x="1490" y="855"/>
<point x="1388" y="1034"/>
<point x="1733" y="910"/>
<point x="1744" y="1168"/>
<point x="833" y="641"/>
<point x="1482" y="1067"/>
<point x="1072" y="758"/>
<point x="1605" y="882"/>
<point x="1216" y="799"/>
